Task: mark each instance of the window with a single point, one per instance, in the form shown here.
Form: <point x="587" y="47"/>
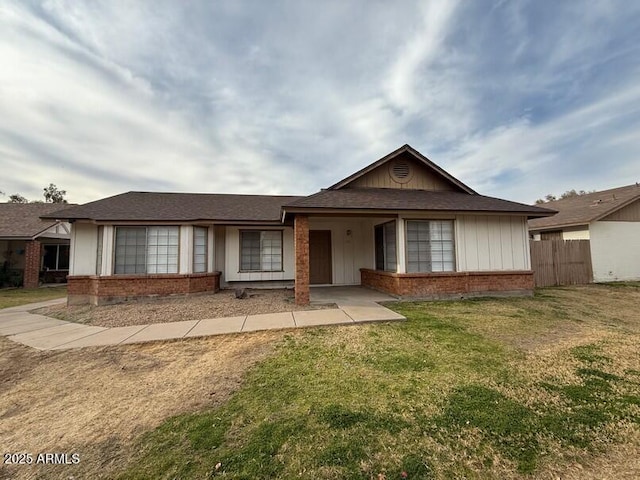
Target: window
<point x="261" y="251"/>
<point x="430" y="246"/>
<point x="56" y="257"/>
<point x="146" y="250"/>
<point x="385" y="240"/>
<point x="200" y="235"/>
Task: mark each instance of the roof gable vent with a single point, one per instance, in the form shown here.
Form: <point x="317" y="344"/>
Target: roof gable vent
<point x="401" y="171"/>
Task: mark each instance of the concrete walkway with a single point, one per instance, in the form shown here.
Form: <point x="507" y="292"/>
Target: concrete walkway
<point x="46" y="333"/>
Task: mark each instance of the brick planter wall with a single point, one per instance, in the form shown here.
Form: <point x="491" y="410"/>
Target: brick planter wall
<point x="448" y="284"/>
<point x="32" y="261"/>
<point x="301" y="248"/>
<point x="91" y="289"/>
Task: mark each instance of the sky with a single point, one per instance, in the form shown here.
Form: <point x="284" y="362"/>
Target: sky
<point x="517" y="99"/>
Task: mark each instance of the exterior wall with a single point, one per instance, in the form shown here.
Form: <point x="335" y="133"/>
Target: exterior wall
<point x="220" y="234"/>
<point x="421" y="178"/>
<point x="232" y="257"/>
<point x="447" y="285"/>
<point x="615" y="251"/>
<point x="630" y="213"/>
<point x="352" y="246"/>
<point x="577" y="234"/>
<point x="491" y="243"/>
<point x="96" y="290"/>
<point x="84" y="245"/>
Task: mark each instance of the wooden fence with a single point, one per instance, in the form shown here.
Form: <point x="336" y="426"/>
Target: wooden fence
<point x="561" y="262"/>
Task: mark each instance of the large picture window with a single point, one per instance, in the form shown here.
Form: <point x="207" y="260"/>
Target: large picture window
<point x="200" y="249"/>
<point x="56" y="257"/>
<point x="261" y="250"/>
<point x="386" y="253"/>
<point x="430" y="246"/>
<point x="146" y="250"/>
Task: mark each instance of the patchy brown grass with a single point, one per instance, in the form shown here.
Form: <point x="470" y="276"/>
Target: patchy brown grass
<point x="94" y="401"/>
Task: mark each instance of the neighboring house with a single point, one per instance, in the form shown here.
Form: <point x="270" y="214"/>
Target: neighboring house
<point x="32" y="248"/>
<point x="609" y="219"/>
<point x="402" y="225"/>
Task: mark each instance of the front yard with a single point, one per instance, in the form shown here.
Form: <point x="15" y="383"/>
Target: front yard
<point x="540" y="387"/>
<point x="12" y="297"/>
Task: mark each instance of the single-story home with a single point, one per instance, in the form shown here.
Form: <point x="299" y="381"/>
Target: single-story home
<point x="609" y="219"/>
<point x="32" y="248"/>
<point x="401" y="225"/>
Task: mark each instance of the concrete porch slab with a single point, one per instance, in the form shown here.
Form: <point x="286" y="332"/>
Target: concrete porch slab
<point x="162" y="331"/>
<point x="217" y="326"/>
<point x="50" y="341"/>
<point x="310" y="318"/>
<point x="109" y="336"/>
<point x="268" y="321"/>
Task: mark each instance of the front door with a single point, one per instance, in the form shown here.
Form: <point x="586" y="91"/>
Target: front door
<point x="320" y="257"/>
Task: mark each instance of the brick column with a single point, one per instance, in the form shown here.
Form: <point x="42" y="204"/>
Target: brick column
<point x="32" y="264"/>
<point x="301" y="247"/>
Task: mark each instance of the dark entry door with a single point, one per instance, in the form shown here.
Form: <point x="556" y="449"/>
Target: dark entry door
<point x="320" y="257"/>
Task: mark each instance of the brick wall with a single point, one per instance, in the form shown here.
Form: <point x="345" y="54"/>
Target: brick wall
<point x="301" y="247"/>
<point x="447" y="284"/>
<point x="113" y="289"/>
<point x="32" y="261"/>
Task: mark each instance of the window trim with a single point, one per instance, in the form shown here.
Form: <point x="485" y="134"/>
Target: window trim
<point x="146" y="249"/>
<point x="453" y="241"/>
<point x="241" y="231"/>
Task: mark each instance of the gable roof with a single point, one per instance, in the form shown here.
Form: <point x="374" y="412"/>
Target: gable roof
<point x="397" y="199"/>
<point x="176" y="207"/>
<point x="584" y="209"/>
<point x="22" y="220"/>
<point x="416" y="155"/>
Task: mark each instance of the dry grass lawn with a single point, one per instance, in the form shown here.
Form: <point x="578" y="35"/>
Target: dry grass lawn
<point x="95" y="401"/>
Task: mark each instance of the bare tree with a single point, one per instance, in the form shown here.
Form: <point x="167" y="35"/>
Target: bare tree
<point x="17" y="198"/>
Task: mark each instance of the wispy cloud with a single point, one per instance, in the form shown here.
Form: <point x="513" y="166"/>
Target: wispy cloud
<point x="516" y="98"/>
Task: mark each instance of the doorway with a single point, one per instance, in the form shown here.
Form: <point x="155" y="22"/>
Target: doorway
<point x="320" y="272"/>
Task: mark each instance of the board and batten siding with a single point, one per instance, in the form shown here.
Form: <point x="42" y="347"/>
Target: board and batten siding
<point x="491" y="243"/>
<point x="615" y="250"/>
<point x="83" y="251"/>
<point x="421" y="179"/>
<point x="232" y="271"/>
<point x="352" y="246"/>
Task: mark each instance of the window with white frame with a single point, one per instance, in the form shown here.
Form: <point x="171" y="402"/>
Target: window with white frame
<point x="146" y="250"/>
<point x="385" y="244"/>
<point x="200" y="235"/>
<point x="261" y="250"/>
<point x="56" y="257"/>
<point x="430" y="246"/>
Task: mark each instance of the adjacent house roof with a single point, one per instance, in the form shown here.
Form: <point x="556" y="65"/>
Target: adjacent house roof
<point x="22" y="220"/>
<point x="416" y="155"/>
<point x="397" y="199"/>
<point x="170" y="207"/>
<point x="584" y="209"/>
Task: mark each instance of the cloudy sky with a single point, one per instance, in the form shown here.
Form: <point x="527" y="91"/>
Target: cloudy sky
<point x="515" y="98"/>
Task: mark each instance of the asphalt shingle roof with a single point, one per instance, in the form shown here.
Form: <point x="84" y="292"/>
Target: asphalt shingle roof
<point x="405" y="199"/>
<point x="149" y="206"/>
<point x="22" y="220"/>
<point x="583" y="209"/>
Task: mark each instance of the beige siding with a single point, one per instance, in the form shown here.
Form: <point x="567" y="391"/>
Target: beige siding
<point x="84" y="244"/>
<point x="421" y="179"/>
<point x="615" y="251"/>
<point x="232" y="257"/>
<point x="582" y="234"/>
<point x="491" y="243"/>
<point x="630" y="213"/>
<point x="351" y="246"/>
